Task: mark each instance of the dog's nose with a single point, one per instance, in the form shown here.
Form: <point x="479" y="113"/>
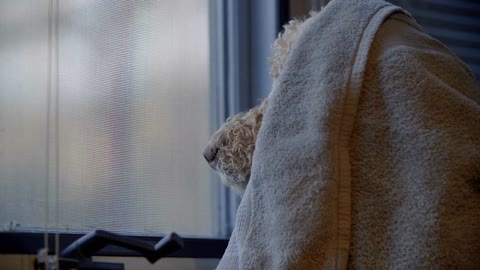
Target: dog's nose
<point x="210" y="153"/>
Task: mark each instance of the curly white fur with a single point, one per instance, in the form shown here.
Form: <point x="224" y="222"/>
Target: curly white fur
<point x="234" y="143"/>
<point x="284" y="43"/>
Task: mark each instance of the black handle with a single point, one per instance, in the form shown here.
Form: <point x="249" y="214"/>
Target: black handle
<point x="86" y="246"/>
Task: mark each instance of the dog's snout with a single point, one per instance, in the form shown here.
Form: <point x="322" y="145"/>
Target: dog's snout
<point x="210" y="153"/>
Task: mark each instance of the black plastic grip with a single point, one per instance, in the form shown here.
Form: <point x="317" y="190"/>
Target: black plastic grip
<point x="86" y="246"/>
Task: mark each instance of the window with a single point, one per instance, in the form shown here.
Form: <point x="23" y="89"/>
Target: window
<point x="105" y="107"/>
<point x="104" y="113"/>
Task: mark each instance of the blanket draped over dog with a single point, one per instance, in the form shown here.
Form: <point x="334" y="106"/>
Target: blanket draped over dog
<point x="369" y="152"/>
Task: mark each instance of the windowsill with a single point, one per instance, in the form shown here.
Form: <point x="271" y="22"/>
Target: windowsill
<point x="30" y="242"/>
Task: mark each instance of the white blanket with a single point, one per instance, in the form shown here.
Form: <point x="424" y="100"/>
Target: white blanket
<point x="369" y="152"/>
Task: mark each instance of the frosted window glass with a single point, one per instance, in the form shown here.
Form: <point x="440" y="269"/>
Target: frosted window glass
<point x="133" y="116"/>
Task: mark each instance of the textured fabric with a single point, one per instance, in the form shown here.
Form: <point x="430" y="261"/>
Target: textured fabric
<point x="369" y="153"/>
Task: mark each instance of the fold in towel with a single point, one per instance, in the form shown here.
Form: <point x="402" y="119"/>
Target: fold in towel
<point x="368" y="156"/>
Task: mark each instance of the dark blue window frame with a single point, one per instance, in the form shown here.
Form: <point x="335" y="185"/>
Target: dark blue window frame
<point x="241" y="36"/>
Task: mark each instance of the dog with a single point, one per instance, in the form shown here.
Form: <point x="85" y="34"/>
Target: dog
<point x="230" y="149"/>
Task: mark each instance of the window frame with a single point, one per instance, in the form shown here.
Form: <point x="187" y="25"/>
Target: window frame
<point x="234" y="69"/>
<point x="29" y="242"/>
<point x="242" y="34"/>
<point x="239" y="77"/>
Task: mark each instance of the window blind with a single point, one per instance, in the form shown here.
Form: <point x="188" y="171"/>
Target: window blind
<point x="119" y="136"/>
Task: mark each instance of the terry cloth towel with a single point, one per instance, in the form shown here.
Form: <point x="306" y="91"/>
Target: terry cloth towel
<point x="369" y="152"/>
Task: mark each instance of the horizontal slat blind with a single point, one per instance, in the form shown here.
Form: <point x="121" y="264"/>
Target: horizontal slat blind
<point x="117" y="144"/>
